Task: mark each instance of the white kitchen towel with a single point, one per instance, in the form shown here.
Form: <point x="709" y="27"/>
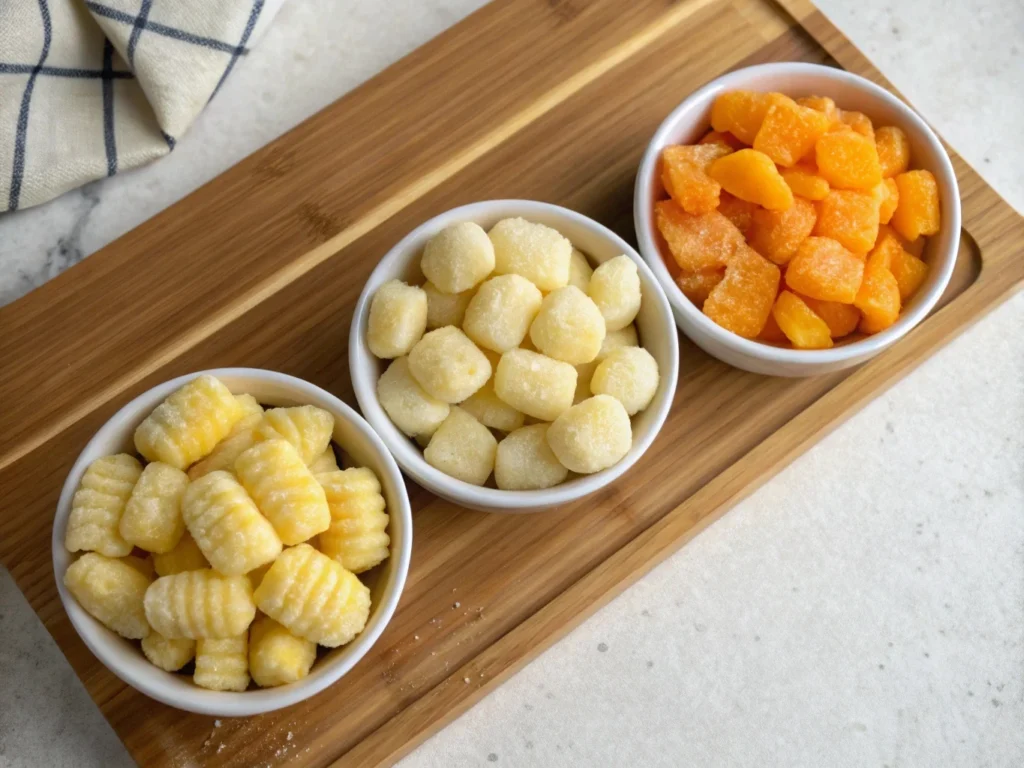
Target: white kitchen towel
<point x="92" y="87"/>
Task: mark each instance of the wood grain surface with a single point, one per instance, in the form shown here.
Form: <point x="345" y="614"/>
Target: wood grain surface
<point x="261" y="267"/>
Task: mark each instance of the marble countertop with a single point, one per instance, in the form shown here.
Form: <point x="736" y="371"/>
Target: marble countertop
<point x="823" y="621"/>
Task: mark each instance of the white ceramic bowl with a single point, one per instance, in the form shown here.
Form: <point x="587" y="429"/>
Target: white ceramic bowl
<point x="125" y="660"/>
<point x="688" y="123"/>
<point x="655" y="324"/>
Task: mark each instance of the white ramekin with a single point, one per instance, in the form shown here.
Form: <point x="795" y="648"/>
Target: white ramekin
<point x="655" y="324"/>
<point x="687" y="124"/>
<point x="125" y="659"/>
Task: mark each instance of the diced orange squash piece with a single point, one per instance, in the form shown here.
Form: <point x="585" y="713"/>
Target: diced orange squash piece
<point x="804" y="180"/>
<point x="841" y="319"/>
<point x="696" y="241"/>
<point x="847" y="160"/>
<point x="822" y="104"/>
<point x="720" y="137"/>
<point x="683" y="174"/>
<point x="789" y="132"/>
<point x="802" y="327"/>
<point x="739" y="212"/>
<point x="909" y="272"/>
<point x="878" y="298"/>
<point x="751" y="175"/>
<point x="824" y="269"/>
<point x="893" y="149"/>
<point x="859" y="122"/>
<point x="849" y="217"/>
<point x="885" y="250"/>
<point x="777" y="234"/>
<point x="742" y="112"/>
<point x="771" y="331"/>
<point x="742" y="301"/>
<point x="917" y="212"/>
<point x="915" y="248"/>
<point x="698" y="285"/>
<point x="890" y="198"/>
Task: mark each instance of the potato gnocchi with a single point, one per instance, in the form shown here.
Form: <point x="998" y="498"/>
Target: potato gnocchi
<point x="521" y="334"/>
<point x="223" y="487"/>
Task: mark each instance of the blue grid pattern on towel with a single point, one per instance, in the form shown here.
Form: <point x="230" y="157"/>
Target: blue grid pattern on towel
<point x="107" y="74"/>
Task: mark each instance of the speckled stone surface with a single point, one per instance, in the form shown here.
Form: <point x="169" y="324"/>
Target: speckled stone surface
<point x="864" y="608"/>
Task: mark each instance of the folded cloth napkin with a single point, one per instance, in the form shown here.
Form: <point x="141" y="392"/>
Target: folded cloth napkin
<point x="89" y="88"/>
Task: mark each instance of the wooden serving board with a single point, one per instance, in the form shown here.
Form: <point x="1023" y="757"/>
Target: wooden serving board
<point x="544" y="99"/>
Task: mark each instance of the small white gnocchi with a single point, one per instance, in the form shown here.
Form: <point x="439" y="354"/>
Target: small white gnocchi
<point x="448" y="365"/>
<point x="591" y="435"/>
<point x="630" y="375"/>
<point x="463" y="448"/>
<point x="406" y="403"/>
<point x="458" y="257"/>
<point x="490" y="410"/>
<point x="397" y="320"/>
<point x="499" y="314"/>
<point x="525" y="461"/>
<point x="569" y="326"/>
<point x="615" y="288"/>
<point x="445" y="308"/>
<point x="535" y="251"/>
<point x="535" y="384"/>
<point x="110" y="590"/>
<point x="579" y="270"/>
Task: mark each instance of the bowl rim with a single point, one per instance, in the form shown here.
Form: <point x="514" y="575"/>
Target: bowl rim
<point x="687" y="313"/>
<point x="261" y="700"/>
<point x="493" y="499"/>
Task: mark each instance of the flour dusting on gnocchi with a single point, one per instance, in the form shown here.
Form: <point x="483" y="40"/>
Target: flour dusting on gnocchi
<point x="522" y="332"/>
<point x="179" y="546"/>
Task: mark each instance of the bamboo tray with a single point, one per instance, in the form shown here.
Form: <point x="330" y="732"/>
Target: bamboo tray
<point x="551" y="100"/>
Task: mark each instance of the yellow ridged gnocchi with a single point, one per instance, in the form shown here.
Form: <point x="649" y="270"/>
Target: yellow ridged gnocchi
<point x="358" y="536"/>
<point x="186" y="556"/>
<point x="314" y="596"/>
<point x="325" y="462"/>
<point x="285" y="490"/>
<point x="152" y="518"/>
<point x="239" y="440"/>
<point x="187" y="426"/>
<point x="276" y="656"/>
<point x="168" y="654"/>
<point x="306" y="427"/>
<point x="227" y="526"/>
<point x="98" y="505"/>
<point x="111" y="591"/>
<point x="200" y="604"/>
<point x="222" y="664"/>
